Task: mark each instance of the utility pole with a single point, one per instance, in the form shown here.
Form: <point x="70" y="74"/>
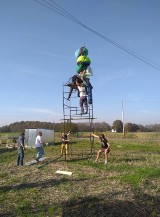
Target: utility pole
<point x="123" y="116"/>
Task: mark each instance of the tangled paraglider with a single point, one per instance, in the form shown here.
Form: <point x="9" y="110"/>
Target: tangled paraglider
<point x="81" y="80"/>
<point x="82" y="58"/>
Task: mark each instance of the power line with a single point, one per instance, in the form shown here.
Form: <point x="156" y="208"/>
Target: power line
<point x="56" y="8"/>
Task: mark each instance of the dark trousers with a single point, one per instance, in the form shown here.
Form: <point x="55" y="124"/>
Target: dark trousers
<point x="20" y="156"/>
<point x="71" y="90"/>
<point x="88" y="89"/>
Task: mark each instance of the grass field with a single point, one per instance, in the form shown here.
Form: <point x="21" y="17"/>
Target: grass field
<point x="127" y="186"/>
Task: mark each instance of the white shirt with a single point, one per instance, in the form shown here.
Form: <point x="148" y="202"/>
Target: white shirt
<point x="38" y="141"/>
<point x="82" y="91"/>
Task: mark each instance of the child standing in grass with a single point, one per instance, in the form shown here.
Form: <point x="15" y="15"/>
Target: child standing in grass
<point x="104" y="147"/>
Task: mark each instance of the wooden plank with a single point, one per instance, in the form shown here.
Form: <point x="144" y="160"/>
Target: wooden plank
<point x="63" y="172"/>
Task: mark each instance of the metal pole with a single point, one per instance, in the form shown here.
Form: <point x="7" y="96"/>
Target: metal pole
<point x="123" y="116"/>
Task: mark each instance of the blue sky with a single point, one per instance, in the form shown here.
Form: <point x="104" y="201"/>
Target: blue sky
<point x="37" y="49"/>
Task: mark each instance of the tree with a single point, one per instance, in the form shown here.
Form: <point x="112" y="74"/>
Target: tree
<point x="102" y="127"/>
<point x="129" y="127"/>
<point x="118" y="126"/>
<point x="72" y="127"/>
<point x="4" y="129"/>
<point x="153" y="128"/>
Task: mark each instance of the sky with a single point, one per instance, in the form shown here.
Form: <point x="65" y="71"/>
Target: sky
<point x="37" y="56"/>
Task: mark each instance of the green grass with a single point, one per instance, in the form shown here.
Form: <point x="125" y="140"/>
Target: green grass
<point x="129" y="180"/>
<point x="138" y="175"/>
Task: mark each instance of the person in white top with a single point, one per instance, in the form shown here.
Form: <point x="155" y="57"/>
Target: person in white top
<point x="39" y="146"/>
<point x="83" y="97"/>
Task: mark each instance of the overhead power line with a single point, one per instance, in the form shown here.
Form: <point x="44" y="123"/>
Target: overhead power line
<point x="56" y="8"/>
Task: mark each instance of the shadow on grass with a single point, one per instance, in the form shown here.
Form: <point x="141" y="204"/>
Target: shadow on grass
<point x="7" y="150"/>
<point x="100" y="206"/>
<point x="141" y="206"/>
<point x="133" y="159"/>
<point x="42" y="184"/>
<point x="46" y="162"/>
<point x="60" y="159"/>
<point x="77" y="159"/>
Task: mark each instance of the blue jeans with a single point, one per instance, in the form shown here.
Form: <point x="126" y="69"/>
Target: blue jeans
<point x="89" y="91"/>
<point x="20" y="156"/>
<point x="40" y="153"/>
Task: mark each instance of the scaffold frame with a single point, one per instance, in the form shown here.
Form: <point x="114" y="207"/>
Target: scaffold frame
<point x="71" y="113"/>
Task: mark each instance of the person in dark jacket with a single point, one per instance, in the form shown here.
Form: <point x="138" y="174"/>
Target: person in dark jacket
<point x="21" y="148"/>
<point x="73" y="85"/>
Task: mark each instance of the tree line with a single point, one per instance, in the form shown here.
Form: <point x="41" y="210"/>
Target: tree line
<point x="79" y="127"/>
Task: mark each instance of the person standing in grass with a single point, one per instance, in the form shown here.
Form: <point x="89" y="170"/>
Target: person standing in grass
<point x="39" y="146"/>
<point x="65" y="143"/>
<point x="104" y="147"/>
<point x="21" y="148"/>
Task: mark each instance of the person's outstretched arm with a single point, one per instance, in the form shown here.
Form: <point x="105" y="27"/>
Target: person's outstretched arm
<point x="94" y="135"/>
<point x="68" y="133"/>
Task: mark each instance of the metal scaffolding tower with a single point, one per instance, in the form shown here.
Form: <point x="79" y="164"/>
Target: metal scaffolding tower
<point x="72" y="111"/>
